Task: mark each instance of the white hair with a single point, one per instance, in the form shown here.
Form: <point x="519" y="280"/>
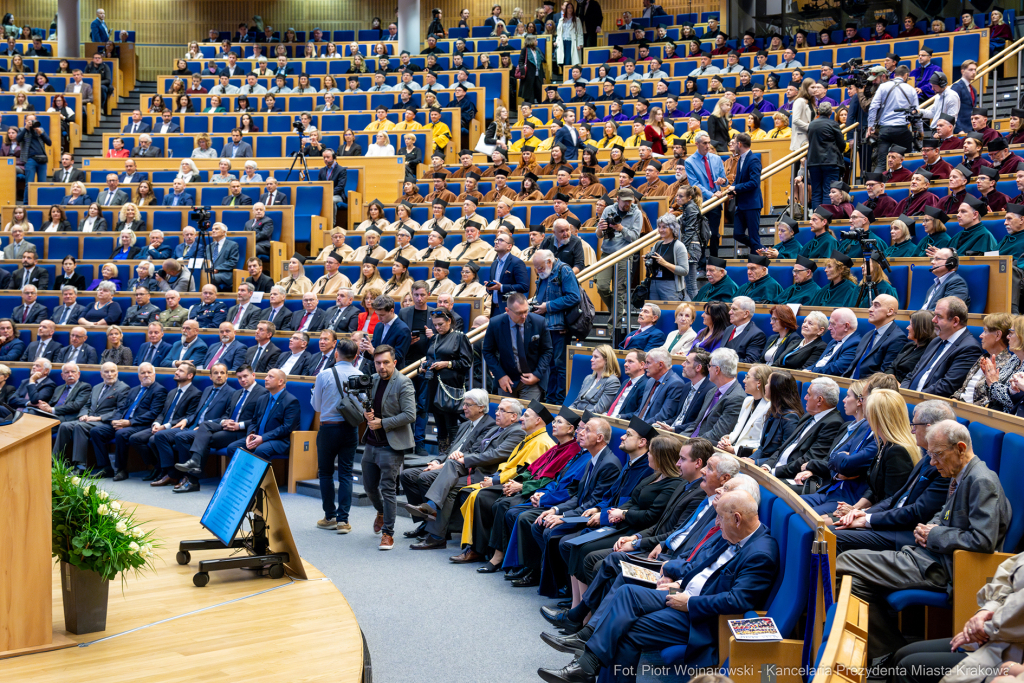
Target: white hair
<point x="46" y="364"/>
<point x="512" y="405"/>
<point x="745" y="482"/>
<point x="147" y="264"/>
<point x="660" y="355"/>
<point x="107" y="286"/>
<point x="726" y="463"/>
<point x="818" y="318"/>
<point x="654" y="308"/>
<point x="478" y="397"/>
<point x="827" y="389"/>
<point x="934" y="411"/>
<point x="952" y="431"/>
<point x="544" y="254"/>
<point x="72" y="365"/>
<point x="845" y="315"/>
<point x="701" y="136"/>
<point x="745" y="303"/>
<point x="278" y="289"/>
<point x="726" y="360"/>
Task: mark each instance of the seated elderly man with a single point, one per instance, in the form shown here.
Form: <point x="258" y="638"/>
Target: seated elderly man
<point x="974" y="518"/>
<point x="30" y="311"/>
<point x="745" y="338"/>
<point x="38" y="388"/>
<point x="949" y="356"/>
<point x="177" y="277"/>
<point x="838" y="356"/>
<point x="648" y="336"/>
<point x="718" y="416"/>
<point x="720" y="286"/>
<point x="760" y="286"/>
<point x="144" y="277"/>
<point x="814" y="434"/>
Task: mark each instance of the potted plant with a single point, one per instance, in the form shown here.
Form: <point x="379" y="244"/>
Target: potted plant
<point x="94" y="539"/>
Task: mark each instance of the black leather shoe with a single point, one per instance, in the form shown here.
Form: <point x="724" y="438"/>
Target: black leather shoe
<point x="418" y="532"/>
<point x="420" y="511"/>
<point x="121" y="475"/>
<point x="190" y="466"/>
<point x="488" y="568"/>
<point x="530" y="580"/>
<point x="429" y="544"/>
<point x="563" y="604"/>
<point x="152" y="475"/>
<point x="568" y="674"/>
<point x="569" y="644"/>
<point x="517" y="573"/>
<point x="186" y="487"/>
<point x="105" y="473"/>
<point x="557" y="617"/>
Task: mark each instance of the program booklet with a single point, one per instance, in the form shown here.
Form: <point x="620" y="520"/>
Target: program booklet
<point x="638" y="573"/>
<point x="759" y="629"/>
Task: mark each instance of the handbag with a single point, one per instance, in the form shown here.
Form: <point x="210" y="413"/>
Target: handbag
<point x="520" y="73"/>
<point x="641" y="293"/>
<point x="448" y="399"/>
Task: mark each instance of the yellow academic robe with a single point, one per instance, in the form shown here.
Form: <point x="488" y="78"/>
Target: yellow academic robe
<point x="381" y="125"/>
<point x="545" y="145"/>
<point x="530" y="449"/>
<point x="410" y="252"/>
<point x="405" y="125"/>
<point x="359" y="254"/>
<point x="329" y="286"/>
<point x="517" y="146"/>
<point x="442" y="135"/>
<point x="780" y="133"/>
<point x="608" y="143"/>
<point x="433" y="254"/>
<point x="474" y="289"/>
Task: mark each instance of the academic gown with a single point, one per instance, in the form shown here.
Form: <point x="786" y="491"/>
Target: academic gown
<point x="883" y="207"/>
<point x="902" y="250"/>
<point x="789" y="249"/>
<point x="941" y="169"/>
<point x="1013" y="245"/>
<point x="802" y="294"/>
<point x="843" y="295"/>
<point x="950" y="204"/>
<point x="914" y="205"/>
<point x="723" y="290"/>
<point x="996" y="201"/>
<point x="939" y="240"/>
<point x="765" y="290"/>
<point x="976" y="239"/>
<point x="821" y="246"/>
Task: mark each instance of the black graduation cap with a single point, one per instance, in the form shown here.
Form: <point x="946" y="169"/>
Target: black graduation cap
<point x="471" y="198"/>
<point x="580" y="84"/>
<point x="563" y="197"/>
<point x="529" y="148"/>
<point x="655" y="163"/>
<point x="542" y="412"/>
<point x="924" y="174"/>
<point x="893" y="56"/>
<point x="989" y="172"/>
<point x="977" y="137"/>
<point x="930" y="142"/>
<point x="643" y="43"/>
<point x="793" y="225"/>
<point x="551" y="87"/>
<point x="501" y="171"/>
<point x="619" y="147"/>
<point x="1015" y="208"/>
<point x="867" y="211"/>
<point x="376" y="202"/>
<point x="299" y="257"/>
<point x="574" y="222"/>
<point x="473" y="266"/>
<point x="874" y="177"/>
<point x="911" y="17"/>
<point x="531" y="175"/>
<point x="609" y="79"/>
<point x="401" y="259"/>
<point x="588" y="416"/>
<point x="896" y="149"/>
<point x="440" y="176"/>
<point x="750" y="33"/>
<point x="568" y="169"/>
<point x="570" y="416"/>
<point x="372" y="261"/>
<point x="977" y="204"/>
<point x="841" y="258"/>
<point x="717" y="262"/>
<point x="374" y="228"/>
<point x="806" y="263"/>
<point x="1019" y="113"/>
<point x="438" y="263"/>
<point x="474" y="175"/>
<point x="537" y="228"/>
<point x="529" y="123"/>
<point x="910" y="223"/>
<point x="851" y="24"/>
<point x="406" y="204"/>
<point x="465" y="152"/>
<point x="628" y="171"/>
<point x="645" y="430"/>
<point x="759" y="260"/>
<point x="840" y="185"/>
<point x="934" y="212"/>
<point x="824" y="213"/>
<point x="966" y="172"/>
<point x="997" y="145"/>
<point x="336" y="256"/>
<point x="762" y="53"/>
<point x="978" y="111"/>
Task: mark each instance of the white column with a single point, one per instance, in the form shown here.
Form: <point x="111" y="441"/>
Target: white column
<point x="68" y="22"/>
<point x="409" y="26"/>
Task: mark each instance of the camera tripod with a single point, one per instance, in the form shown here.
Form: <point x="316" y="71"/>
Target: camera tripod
<point x="298" y="155"/>
<point x="203" y="240"/>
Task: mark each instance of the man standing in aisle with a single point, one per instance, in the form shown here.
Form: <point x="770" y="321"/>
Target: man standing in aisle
<point x="336" y="437"/>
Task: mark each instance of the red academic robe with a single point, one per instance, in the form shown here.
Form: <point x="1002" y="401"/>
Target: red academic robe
<point x="885" y="207"/>
<point x="952" y="142"/>
<point x="996" y="201"/>
<point x="988" y="135"/>
<point x="976" y="164"/>
<point x="914" y="205"/>
<point x="940" y="169"/>
<point x="841" y="211"/>
<point x="950" y="204"/>
<point x="900" y="175"/>
<point x="1009" y="164"/>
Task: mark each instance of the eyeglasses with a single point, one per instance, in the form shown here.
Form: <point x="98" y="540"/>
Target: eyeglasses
<point x="915" y="425"/>
<point x="507" y="412"/>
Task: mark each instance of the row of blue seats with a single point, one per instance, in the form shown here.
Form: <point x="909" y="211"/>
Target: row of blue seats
<point x="101" y="250"/>
<point x="419" y="240"/>
<point x="274" y="146"/>
<point x="281" y="123"/>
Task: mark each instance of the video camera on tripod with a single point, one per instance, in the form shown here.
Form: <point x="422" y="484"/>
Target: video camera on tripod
<point x="202" y="217"/>
<point x="853" y="74"/>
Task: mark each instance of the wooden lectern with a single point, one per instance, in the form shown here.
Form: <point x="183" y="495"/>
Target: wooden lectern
<point x="26" y="568"/>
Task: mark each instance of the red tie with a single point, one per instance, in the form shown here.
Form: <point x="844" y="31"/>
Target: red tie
<point x="973" y="96"/>
<point x="649" y="397"/>
<point x="733" y="334"/>
<point x="213" y="361"/>
<point x="238" y="316"/>
<point x="303" y="323"/>
<point x="707" y="167"/>
<point x="625" y="344"/>
<point x="24" y="315"/>
<point x="711" y="532"/>
<point x="625" y="386"/>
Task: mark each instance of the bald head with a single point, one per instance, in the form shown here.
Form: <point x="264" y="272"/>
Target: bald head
<point x="737" y="515"/>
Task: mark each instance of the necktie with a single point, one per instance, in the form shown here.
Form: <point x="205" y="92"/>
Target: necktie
<point x="867" y="352"/>
<point x="625" y="344"/>
<point x="711" y="532"/>
<point x="711" y="406"/>
<point x="175" y="201"/>
<point x="206" y="406"/>
<point x="239" y="405"/>
<point x="67" y="176"/>
<point x="627" y="385"/>
<point x="931" y="366"/>
<point x="110" y="198"/>
<point x="73" y="356"/>
<point x="672" y="542"/>
<point x="320" y="366"/>
<point x="238" y="315"/>
<point x="952" y="488"/>
<point x="643" y="411"/>
<point x="271" y="202"/>
<point x="149" y="354"/>
<point x="334" y="322"/>
<point x="174" y="404"/>
<point x="707" y="168"/>
<point x="25" y="279"/>
<point x="266" y="415"/>
<point x="25" y="310"/>
<point x="732" y="334"/>
<point x="216" y="356"/>
<point x="64" y="396"/>
<point x="522" y="348"/>
<point x="103" y="392"/>
<point x="232" y="202"/>
<point x="134" y="405"/>
<point x="305" y="317"/>
<point x="256" y="358"/>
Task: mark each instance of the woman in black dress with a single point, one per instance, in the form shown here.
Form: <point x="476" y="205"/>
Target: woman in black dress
<point x="531" y="63"/>
<point x="782" y="417"/>
<point x="920" y="332"/>
<point x="811" y="347"/>
<point x="350" y="148"/>
<point x="447" y="363"/>
<point x="68" y="277"/>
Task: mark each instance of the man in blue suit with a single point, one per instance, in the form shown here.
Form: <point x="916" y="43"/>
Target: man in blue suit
<point x="179" y="197"/>
<point x="36" y="387"/>
<point x="98" y="31"/>
<point x="968" y="96"/>
<point x="189" y="348"/>
<point x="224" y="257"/>
<point x="179" y="407"/>
<point x="742" y="336"/>
<point x="947" y="281"/>
<point x="648" y="336"/>
<point x="744" y="562"/>
<point x="522" y="362"/>
<point x="508" y="274"/>
<point x="950" y="356"/>
<point x="137" y="125"/>
<point x="634" y="383"/>
<point x="30" y="311"/>
<point x="297" y="361"/>
<point x="390" y="330"/>
<point x="134" y="413"/>
<point x="878" y="348"/>
<point x="189" y="247"/>
<point x="45" y="346"/>
<point x="336" y="175"/>
<point x="695" y="369"/>
<point x="228" y="350"/>
<point x="77" y="351"/>
<point x="567" y="137"/>
<point x="131" y="173"/>
<point x="275" y="417"/>
<point x="663" y="395"/>
<point x="747" y="191"/>
<point x="839" y="354"/>
<point x="155" y="348"/>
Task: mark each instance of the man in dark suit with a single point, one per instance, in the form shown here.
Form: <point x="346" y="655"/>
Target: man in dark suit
<point x="259" y="281"/>
<point x="968" y="97"/>
<point x="815" y="432"/>
<point x="244" y="315"/>
<point x="146" y="148"/>
<point x="104" y="402"/>
<point x="839" y="354"/>
<point x="70" y="310"/>
<point x="974" y="518"/>
<point x="742" y="336"/>
<point x="275" y="417"/>
<point x="950" y="356"/>
<point x="633" y="385"/>
<point x="747" y="191"/>
<point x="325" y="358"/>
<point x="310" y="318"/>
<point x="182" y="403"/>
<point x="663" y="395"/>
<point x="878" y="348"/>
<point x="131" y="173"/>
<point x="695" y="368"/>
<point x="592" y="16"/>
<point x="234" y="197"/>
<point x="390" y="330"/>
<point x="521" y="363"/>
<point x="67" y="173"/>
<point x="890" y="524"/>
<point x="637" y="618"/>
<point x="296" y="362"/>
<point x="335" y="174"/>
<point x="37" y="387"/>
<point x="77" y="351"/>
<point x="212" y="405"/>
<point x="135" y="412"/>
<point x="342" y="317"/>
<point x="45" y="346"/>
<point x="190" y="348"/>
<point x="137" y="125"/>
<point x="507" y="274"/>
<point x="263" y="355"/>
<point x="193" y="445"/>
<point x="947" y="281"/>
<point x="276" y="312"/>
<point x="271" y="195"/>
<point x="69" y="398"/>
<point x="29" y="311"/>
<point x="155" y="348"/>
<point x="648" y="336"/>
<point x="568" y="138"/>
<point x="224" y="257"/>
<point x="228" y="350"/>
<point x="112" y="196"/>
<point x="721" y="409"/>
<point x="30" y="273"/>
<point x="262" y="226"/>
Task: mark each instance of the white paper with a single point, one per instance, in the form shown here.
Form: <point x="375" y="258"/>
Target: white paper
<point x="256" y="297"/>
<point x="194" y="263"/>
<point x="795" y="308"/>
<point x="991" y="253"/>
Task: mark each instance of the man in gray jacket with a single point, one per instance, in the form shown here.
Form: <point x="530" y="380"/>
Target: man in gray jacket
<point x="388" y="437"/>
<point x="106" y="399"/>
<point x="974" y="517"/>
<point x="722" y="406"/>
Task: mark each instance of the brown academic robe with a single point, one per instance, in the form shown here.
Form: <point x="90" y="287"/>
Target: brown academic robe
<point x="550" y="220"/>
<point x="656" y="188"/>
<point x="414" y="198"/>
<point x="446" y="195"/>
<point x="914" y="205"/>
<point x="641" y="166"/>
<point x="463" y="172"/>
<point x="462" y="197"/>
<point x="534" y="196"/>
<point x="590" y="191"/>
<point x="489" y="171"/>
<point x="556" y="189"/>
<point x="1008" y="166"/>
<point x="521" y="170"/>
<point x="495" y="194"/>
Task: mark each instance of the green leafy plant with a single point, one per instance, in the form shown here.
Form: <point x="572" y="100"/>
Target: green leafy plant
<point x="92" y="530"/>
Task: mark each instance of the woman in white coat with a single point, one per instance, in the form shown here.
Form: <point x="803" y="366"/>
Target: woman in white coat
<point x="750" y="423"/>
<point x="569" y="43"/>
<point x="681" y="339"/>
<point x="803" y="113"/>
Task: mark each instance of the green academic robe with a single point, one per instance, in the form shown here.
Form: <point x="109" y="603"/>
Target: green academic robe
<point x="939" y="240"/>
<point x="799" y="294"/>
<point x="1013" y="245"/>
<point x="854" y="250"/>
<point x="976" y="239"/>
<point x="843" y="295"/>
<point x="902" y="250"/>
<point x="765" y="290"/>
<point x="789" y="249"/>
<point x="821" y="246"/>
<point x="724" y="290"/>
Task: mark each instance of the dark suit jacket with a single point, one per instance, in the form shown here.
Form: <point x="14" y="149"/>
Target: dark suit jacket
<point x="346" y="323"/>
<point x="87" y="355"/>
<point x="267" y="360"/>
<point x="151" y="151"/>
<point x="963" y="117"/>
<point x="280" y="320"/>
<point x="339" y="176"/>
<point x="777" y="430"/>
<point x="499" y="353"/>
<point x="696" y="405"/>
<point x="76" y="400"/>
<point x="749" y="344"/>
<point x="593" y="489"/>
<point x="301" y="366"/>
<point x="283" y="420"/>
<point x="171" y="128"/>
<point x="243" y="200"/>
<point x="144" y="127"/>
<point x="216" y="408"/>
<point x="840" y="361"/>
<point x="722" y="417"/>
<point x="317" y="320"/>
<point x="232" y="358"/>
<point x="40" y="278"/>
<point x="249" y="318"/>
<point x="798" y="358"/>
<point x="162" y="349"/>
<point x="184" y="410"/>
<point x="107" y="408"/>
<point x="137" y="177"/>
<point x="651" y="338"/>
<point x="196" y="353"/>
<point x="399" y="337"/>
<point x="682" y="503"/>
<point x="76" y="175"/>
<point x="565" y="138"/>
<point x="949" y="374"/>
<point x="883" y="352"/>
<point x="256" y="392"/>
<point x="38" y="313"/>
<point x="632" y="403"/>
<point x="185" y="200"/>
<point x="314" y="361"/>
<point x="29" y="394"/>
<point x="815" y="444"/>
<point x="954" y="285"/>
<point x="665" y="405"/>
<point x="53" y="349"/>
<point x="748" y="183"/>
<point x="925" y="490"/>
<point x="77" y="311"/>
<point x="515" y="277"/>
<point x="264" y="228"/>
<point x="279" y="198"/>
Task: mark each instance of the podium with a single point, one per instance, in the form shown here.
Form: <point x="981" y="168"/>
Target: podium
<point x="26" y="567"/>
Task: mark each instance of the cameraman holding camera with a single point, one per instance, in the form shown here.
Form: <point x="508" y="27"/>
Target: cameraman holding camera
<point x="619" y="226"/>
<point x="33" y="141"/>
<point x="887" y="117"/>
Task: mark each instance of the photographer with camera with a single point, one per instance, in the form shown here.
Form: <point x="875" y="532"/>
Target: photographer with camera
<point x="887" y="118"/>
<point x="619" y="226"/>
<point x="340" y="415"/>
<point x="33" y="141"/>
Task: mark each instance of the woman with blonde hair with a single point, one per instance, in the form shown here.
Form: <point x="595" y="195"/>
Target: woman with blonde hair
<point x="750" y="423"/>
<point x="841" y="291"/>
<point x="296" y="282"/>
<point x="601" y="386"/>
<point x="116" y="351"/>
<point x="803" y="112"/>
<point x="400" y="282"/>
<point x="403" y="218"/>
<point x="610" y="138"/>
<point x="680" y="340"/>
<point x="369" y="280"/>
<point x="902" y="244"/>
<point x="19" y="220"/>
<point x="204" y="148"/>
<point x="781" y="131"/>
<point x="987" y="382"/>
<point x="498" y="132"/>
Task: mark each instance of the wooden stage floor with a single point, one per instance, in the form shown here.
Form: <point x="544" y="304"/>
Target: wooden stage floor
<point x="300" y="631"/>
